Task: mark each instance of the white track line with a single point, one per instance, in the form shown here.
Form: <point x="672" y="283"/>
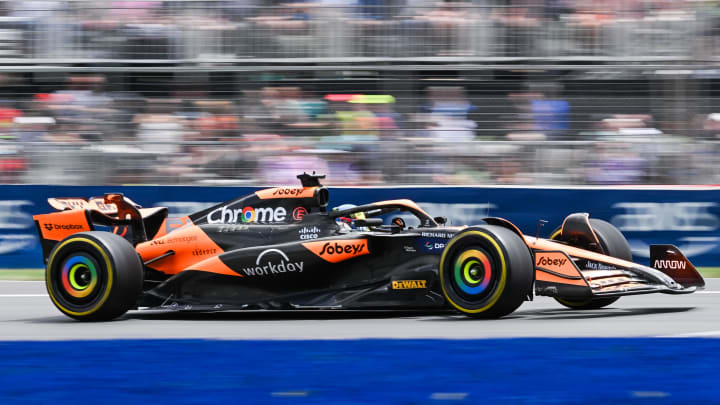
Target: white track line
<point x="708" y="333"/>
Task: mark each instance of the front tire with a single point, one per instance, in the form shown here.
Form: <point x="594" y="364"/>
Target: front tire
<point x="94" y="276"/>
<point x="612" y="243"/>
<point x="486" y="271"/>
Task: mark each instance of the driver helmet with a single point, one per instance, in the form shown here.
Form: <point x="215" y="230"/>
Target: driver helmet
<point x="344" y="222"/>
<point x="347" y="220"/>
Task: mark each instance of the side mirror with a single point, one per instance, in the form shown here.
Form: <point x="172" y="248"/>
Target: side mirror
<point x="441" y="220"/>
<point x="368" y="222"/>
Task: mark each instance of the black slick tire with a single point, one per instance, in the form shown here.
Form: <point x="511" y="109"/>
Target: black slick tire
<point x="94" y="276"/>
<point x="486" y="271"/>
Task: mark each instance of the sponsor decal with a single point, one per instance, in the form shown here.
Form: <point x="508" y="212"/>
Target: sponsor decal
<point x="298" y="213"/>
<point x="71" y="203"/>
<point x="309" y="232"/>
<point x="440" y="235"/>
<point x="432" y="245"/>
<point x="102" y="207"/>
<point x="598" y="266"/>
<point x="557" y="262"/>
<point x="339" y="250"/>
<point x="544" y="261"/>
<point x="336" y="248"/>
<point x="204" y="252"/>
<point x="233" y="228"/>
<point x="175" y="239"/>
<point x="285" y="192"/>
<point x="98" y="203"/>
<point x="66" y="227"/>
<point x="670" y="264"/>
<point x="290" y="192"/>
<point x="225" y="215"/>
<point x="182" y="239"/>
<point x="409" y="249"/>
<point x="273" y="261"/>
<point x="409" y="284"/>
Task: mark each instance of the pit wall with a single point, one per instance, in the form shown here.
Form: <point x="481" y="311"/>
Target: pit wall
<point x="685" y="216"/>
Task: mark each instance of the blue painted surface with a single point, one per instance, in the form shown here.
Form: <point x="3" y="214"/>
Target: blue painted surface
<point x="687" y="218"/>
<point x="533" y="371"/>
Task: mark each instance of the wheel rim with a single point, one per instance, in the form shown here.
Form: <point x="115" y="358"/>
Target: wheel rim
<point x="79" y="278"/>
<point x="473" y="273"/>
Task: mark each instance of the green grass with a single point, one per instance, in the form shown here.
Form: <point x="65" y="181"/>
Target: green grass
<point x="39" y="274"/>
<point x="22" y="274"/>
<point x="709" y="272"/>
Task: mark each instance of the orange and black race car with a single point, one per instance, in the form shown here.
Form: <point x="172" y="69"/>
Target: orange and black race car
<point x="280" y="248"/>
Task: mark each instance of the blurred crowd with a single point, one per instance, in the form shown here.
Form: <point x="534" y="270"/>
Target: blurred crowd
<point x="85" y="133"/>
<point x="226" y="30"/>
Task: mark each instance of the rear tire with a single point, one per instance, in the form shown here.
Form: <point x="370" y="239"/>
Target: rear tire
<point x="612" y="243"/>
<point x="486" y="271"/>
<point x="94" y="276"/>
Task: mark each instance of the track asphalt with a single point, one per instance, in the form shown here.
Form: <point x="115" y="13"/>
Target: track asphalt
<point x="26" y="313"/>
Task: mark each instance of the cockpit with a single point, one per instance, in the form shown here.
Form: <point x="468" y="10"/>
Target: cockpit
<point x="385" y="216"/>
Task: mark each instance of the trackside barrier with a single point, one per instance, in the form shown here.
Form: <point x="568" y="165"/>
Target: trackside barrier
<point x="688" y="217"/>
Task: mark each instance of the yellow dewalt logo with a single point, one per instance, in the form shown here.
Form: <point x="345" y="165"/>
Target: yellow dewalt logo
<point x="408" y="284"/>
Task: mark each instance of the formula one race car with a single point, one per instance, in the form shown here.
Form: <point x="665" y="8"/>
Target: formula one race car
<point x="280" y="248"/>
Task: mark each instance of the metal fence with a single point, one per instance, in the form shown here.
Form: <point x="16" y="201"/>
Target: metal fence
<point x="230" y="31"/>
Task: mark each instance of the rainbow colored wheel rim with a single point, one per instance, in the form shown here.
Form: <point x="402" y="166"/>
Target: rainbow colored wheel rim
<point x="79" y="276"/>
<point x="472" y="272"/>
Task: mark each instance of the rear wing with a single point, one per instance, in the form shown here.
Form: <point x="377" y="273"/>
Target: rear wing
<point x="101" y="204"/>
<point x="114" y="210"/>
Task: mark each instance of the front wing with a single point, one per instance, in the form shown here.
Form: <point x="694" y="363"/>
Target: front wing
<point x="563" y="275"/>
